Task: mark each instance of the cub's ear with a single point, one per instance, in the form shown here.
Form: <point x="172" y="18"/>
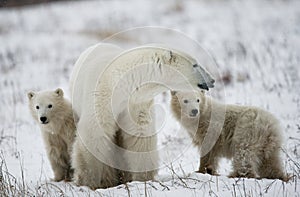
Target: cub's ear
<point x="30" y="95"/>
<point x="173" y="93"/>
<point x="59" y="92"/>
<point x="202" y="91"/>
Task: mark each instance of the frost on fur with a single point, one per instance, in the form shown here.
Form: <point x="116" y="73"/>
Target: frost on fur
<point x="250" y="136"/>
<point x="54" y="115"/>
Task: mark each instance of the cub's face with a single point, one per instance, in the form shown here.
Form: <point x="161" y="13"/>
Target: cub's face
<point x="44" y="106"/>
<point x="189" y="103"/>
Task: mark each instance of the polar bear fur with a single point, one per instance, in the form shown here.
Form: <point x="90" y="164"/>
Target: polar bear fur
<point x="250" y="136"/>
<point x="55" y="117"/>
<point x="116" y="139"/>
<point x="97" y="156"/>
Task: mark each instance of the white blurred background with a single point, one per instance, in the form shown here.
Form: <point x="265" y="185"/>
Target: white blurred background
<point x="256" y="45"/>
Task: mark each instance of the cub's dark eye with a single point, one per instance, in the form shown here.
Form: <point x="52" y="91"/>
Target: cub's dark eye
<point x="37" y="107"/>
<point x="185" y="101"/>
<point x="198" y="100"/>
<point x="50" y="106"/>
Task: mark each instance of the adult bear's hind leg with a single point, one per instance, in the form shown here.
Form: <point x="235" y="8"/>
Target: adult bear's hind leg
<point x="89" y="170"/>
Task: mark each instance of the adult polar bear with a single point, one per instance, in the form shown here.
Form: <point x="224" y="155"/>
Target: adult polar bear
<point x="112" y="93"/>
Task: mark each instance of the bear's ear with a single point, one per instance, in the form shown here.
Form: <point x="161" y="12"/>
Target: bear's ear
<point x="202" y="91"/>
<point x="30" y="95"/>
<point x="59" y="92"/>
<point x="173" y="93"/>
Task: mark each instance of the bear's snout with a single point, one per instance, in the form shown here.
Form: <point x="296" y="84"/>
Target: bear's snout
<point x="194" y="112"/>
<point x="44" y="120"/>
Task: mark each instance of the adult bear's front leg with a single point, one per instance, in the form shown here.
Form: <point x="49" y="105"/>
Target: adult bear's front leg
<point x="142" y="157"/>
<point x="140" y="141"/>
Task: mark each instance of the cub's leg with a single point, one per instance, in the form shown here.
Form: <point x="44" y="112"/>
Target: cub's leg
<point x="59" y="160"/>
<point x="271" y="167"/>
<point x="245" y="145"/>
<point x="60" y="171"/>
<point x="208" y="164"/>
<point x="244" y="162"/>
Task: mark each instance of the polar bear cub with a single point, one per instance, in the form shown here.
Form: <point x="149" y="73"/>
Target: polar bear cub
<point x="55" y="117"/>
<point x="249" y="135"/>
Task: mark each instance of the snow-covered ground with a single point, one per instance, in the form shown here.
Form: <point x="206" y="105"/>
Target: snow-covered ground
<point x="255" y="43"/>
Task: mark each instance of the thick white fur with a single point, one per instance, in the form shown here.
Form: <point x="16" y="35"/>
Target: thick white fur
<point x="59" y="132"/>
<point x="116" y="128"/>
<point x="95" y="157"/>
<point x="251" y="136"/>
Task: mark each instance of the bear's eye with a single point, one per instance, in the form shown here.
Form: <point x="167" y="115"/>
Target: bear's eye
<point x="37" y="107"/>
<point x="198" y="100"/>
<point x="50" y="106"/>
<point x="185" y="101"/>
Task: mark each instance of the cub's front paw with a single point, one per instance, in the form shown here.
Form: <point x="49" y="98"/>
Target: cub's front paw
<point x="242" y="175"/>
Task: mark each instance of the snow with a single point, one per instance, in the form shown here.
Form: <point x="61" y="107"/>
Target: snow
<point x="256" y="46"/>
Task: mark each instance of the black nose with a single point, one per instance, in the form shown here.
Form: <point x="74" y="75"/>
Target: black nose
<point x="43" y="119"/>
<point x="195" y="111"/>
<point x="203" y="86"/>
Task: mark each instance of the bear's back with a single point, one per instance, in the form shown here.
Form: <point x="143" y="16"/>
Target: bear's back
<point x="86" y="72"/>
